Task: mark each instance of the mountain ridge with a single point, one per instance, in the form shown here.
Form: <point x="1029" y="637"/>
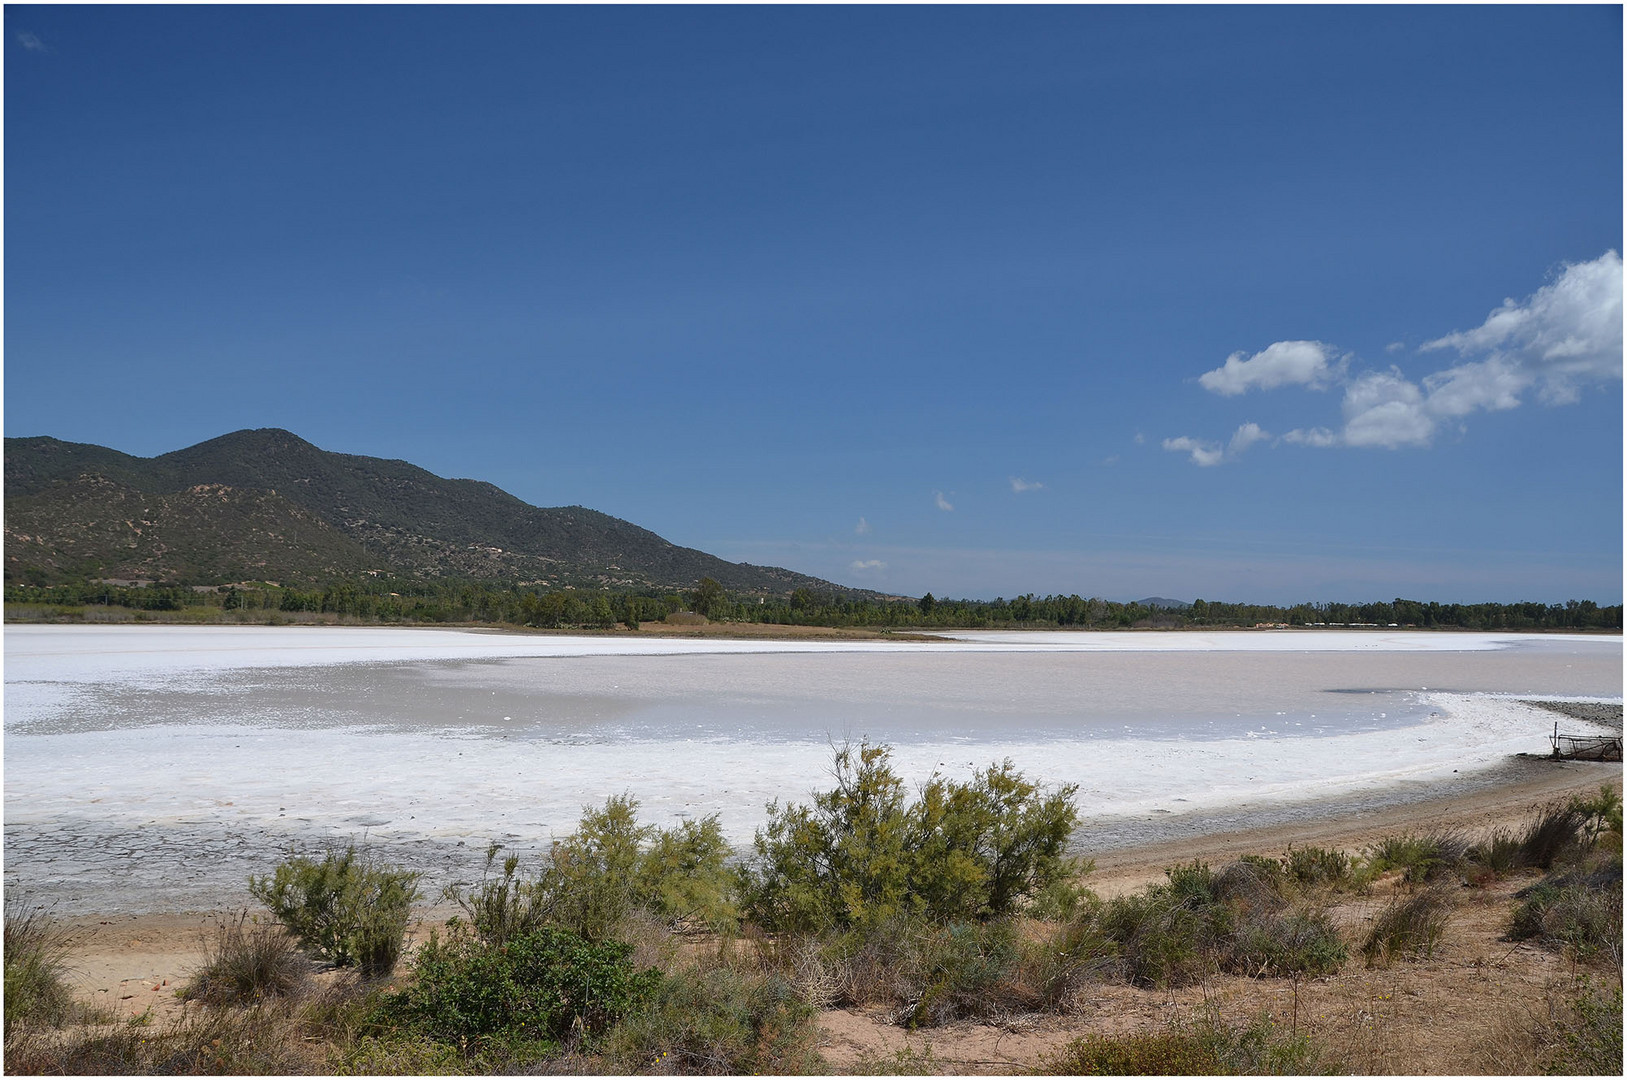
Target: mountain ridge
<point x="256" y="499"/>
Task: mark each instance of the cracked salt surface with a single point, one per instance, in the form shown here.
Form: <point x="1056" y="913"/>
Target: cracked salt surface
<point x="153" y="768"/>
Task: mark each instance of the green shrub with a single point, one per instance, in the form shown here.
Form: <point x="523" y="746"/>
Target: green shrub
<point x="1201" y="921"/>
<point x="36" y="955"/>
<point x="719" y="1021"/>
<point x="1420" y="858"/>
<point x="1409" y="925"/>
<point x="683" y="877"/>
<point x="500" y="907"/>
<point x="1299" y="942"/>
<point x="1209" y="1047"/>
<point x="1577" y="911"/>
<point x="1589" y="1031"/>
<point x="966" y="970"/>
<point x="1067" y="895"/>
<point x="343" y="908"/>
<point x="611" y="866"/>
<point x="1160" y="940"/>
<point x="534" y="989"/>
<point x="247" y="961"/>
<point x="1601" y="814"/>
<point x="862" y="854"/>
<point x="1318" y="866"/>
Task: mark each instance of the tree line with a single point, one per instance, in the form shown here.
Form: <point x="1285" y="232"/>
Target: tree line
<point x="414" y="601"/>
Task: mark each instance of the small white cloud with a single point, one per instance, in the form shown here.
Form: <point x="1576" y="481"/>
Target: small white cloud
<point x="1320" y="437"/>
<point x="1245" y="437"/>
<point x="862" y="528"/>
<point x="943" y="503"/>
<point x="1284" y="363"/>
<point x="1206" y="454"/>
<point x="1140" y="438"/>
<point x="1203" y="453"/>
<point x="31" y="42"/>
<point x="1110" y="459"/>
<point x="1019" y="485"/>
<point x="862" y="566"/>
<point x="1395" y="346"/>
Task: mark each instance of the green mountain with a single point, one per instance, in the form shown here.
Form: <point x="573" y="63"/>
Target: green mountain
<point x="266" y="505"/>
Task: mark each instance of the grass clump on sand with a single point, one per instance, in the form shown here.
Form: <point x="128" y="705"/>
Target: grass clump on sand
<point x="36" y="972"/>
<point x="1246" y="920"/>
<point x="1577" y="911"/>
<point x="1207" y="1047"/>
<point x="1421" y="857"/>
<point x="1410" y="925"/>
<point x="344" y="908"/>
<point x="247" y="961"/>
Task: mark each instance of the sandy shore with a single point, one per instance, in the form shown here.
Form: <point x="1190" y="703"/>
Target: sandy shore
<point x="131" y="963"/>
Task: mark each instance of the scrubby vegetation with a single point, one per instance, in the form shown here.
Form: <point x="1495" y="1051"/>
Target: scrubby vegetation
<point x="1206" y="1047"/>
<point x="36" y="957"/>
<point x="248" y="960"/>
<point x="636" y="949"/>
<point x="344" y="907"/>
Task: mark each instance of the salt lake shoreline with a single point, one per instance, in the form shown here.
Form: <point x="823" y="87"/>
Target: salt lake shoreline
<point x="133" y="962"/>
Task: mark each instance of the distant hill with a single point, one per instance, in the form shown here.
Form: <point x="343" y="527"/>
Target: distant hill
<point x="267" y="505"/>
<point x="1164" y="602"/>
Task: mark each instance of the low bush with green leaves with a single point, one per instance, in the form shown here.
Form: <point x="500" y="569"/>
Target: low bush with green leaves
<point x="864" y="853"/>
<point x="534" y="990"/>
<point x="1587" y="1032"/>
<point x="345" y="908"/>
<point x="715" y="1020"/>
<point x="611" y="867"/>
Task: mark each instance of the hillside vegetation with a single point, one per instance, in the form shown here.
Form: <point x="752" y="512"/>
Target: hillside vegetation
<point x="265" y="505"/>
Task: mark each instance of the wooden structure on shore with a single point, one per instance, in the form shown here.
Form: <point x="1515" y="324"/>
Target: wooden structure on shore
<point x="1585" y="747"/>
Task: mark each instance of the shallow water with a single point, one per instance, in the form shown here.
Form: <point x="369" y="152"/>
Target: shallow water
<point x="184" y="758"/>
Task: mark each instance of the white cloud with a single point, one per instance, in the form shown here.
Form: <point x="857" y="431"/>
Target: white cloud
<point x="1206" y="453"/>
<point x="1019" y="485"/>
<point x="31" y="42"/>
<point x="943" y="503"/>
<point x="1140" y="438"/>
<point x="1384" y="409"/>
<point x="1245" y="437"/>
<point x="1564" y="336"/>
<point x="1486" y="384"/>
<point x="861" y="566"/>
<point x="1312" y="437"/>
<point x="1284" y="363"/>
<point x="862" y="528"/>
<point x="1203" y="453"/>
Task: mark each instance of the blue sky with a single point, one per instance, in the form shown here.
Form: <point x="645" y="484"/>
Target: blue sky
<point x="1254" y="304"/>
